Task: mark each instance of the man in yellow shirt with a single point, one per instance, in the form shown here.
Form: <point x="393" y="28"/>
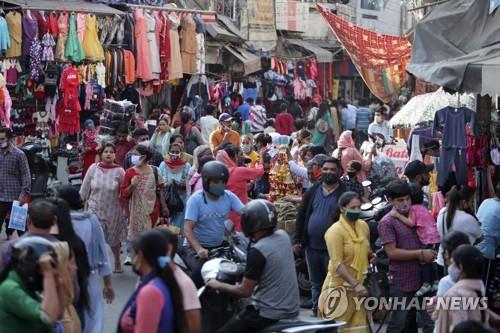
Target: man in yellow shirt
<point x="224" y="133"/>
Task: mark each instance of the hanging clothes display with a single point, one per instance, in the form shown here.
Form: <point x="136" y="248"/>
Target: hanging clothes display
<point x="53" y="24"/>
<point x="144" y="70"/>
<point x="30" y="31"/>
<point x="68" y="107"/>
<point x="81" y="19"/>
<point x="129" y="33"/>
<point x="154" y="53"/>
<point x="91" y="45"/>
<point x="43" y="23"/>
<point x="175" y="63"/>
<point x="164" y="46"/>
<point x="35" y="58"/>
<point x="200" y="45"/>
<point x="453" y="151"/>
<point x="62" y="25"/>
<point x="48" y="43"/>
<point x="14" y="22"/>
<point x="189" y="46"/>
<point x="74" y="50"/>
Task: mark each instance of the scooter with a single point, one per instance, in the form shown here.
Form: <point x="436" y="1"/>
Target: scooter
<point x="231" y="272"/>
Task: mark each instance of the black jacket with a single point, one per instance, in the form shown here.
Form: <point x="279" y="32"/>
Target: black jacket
<point x="305" y="210"/>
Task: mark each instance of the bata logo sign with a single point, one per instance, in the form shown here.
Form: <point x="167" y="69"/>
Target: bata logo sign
<point x="398" y="153"/>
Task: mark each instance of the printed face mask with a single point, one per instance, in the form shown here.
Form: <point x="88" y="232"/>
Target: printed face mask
<point x="135" y="159"/>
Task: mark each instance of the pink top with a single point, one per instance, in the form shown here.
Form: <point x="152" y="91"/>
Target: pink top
<point x="150" y="303"/>
<point x="426" y="225"/>
<point x="80" y="26"/>
<point x="189" y="293"/>
<point x="349" y="153"/>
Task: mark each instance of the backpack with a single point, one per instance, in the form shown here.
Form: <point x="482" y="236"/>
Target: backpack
<point x="190" y="143"/>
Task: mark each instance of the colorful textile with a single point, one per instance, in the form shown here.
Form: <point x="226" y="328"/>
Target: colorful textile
<point x="380" y="59"/>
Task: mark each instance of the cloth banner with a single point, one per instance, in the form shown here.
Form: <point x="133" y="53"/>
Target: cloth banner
<point x="292" y="15"/>
<point x="261" y="24"/>
<point x="381" y="60"/>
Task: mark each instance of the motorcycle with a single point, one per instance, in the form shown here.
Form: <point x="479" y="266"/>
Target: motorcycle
<point x="229" y="271"/>
<point x="39" y="169"/>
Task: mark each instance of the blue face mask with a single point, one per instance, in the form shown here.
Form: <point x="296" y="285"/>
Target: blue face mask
<point x="135" y="160"/>
<point x="217" y="189"/>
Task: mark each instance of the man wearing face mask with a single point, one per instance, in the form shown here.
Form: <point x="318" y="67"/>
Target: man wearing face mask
<point x="206" y="212"/>
<point x="140" y="136"/>
<point x="15" y="176"/>
<point x="418" y="175"/>
<point x="380" y="125"/>
<point x="224" y="133"/>
<point x="405" y="254"/>
<point x="319" y="209"/>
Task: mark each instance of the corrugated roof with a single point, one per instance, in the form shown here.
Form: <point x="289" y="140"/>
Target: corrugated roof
<point x="217" y="32"/>
<point x="251" y="62"/>
<point x="70" y="6"/>
<point x="322" y="55"/>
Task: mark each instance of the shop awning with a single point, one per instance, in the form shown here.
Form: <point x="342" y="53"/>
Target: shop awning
<point x="70" y="6"/>
<point x="322" y="55"/>
<point x="226" y="21"/>
<point x="217" y="32"/>
<point x="212" y="52"/>
<point x="459" y="57"/>
<point x="251" y="62"/>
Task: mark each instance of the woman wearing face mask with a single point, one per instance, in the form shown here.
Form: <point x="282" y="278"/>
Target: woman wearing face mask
<point x="101" y="191"/>
<point x="349" y="249"/>
<point x="139" y="191"/>
<point x="174" y="170"/>
<point x="160" y="140"/>
<point x="248" y="150"/>
<point x="347" y="152"/>
<point x="156" y="304"/>
<point x="191" y="134"/>
<point x="193" y="180"/>
<point x="467" y="272"/>
<point x="238" y="176"/>
<point x="458" y="215"/>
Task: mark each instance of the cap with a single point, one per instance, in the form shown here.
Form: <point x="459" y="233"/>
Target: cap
<point x="415" y="168"/>
<point x="354" y="166"/>
<point x="225" y="117"/>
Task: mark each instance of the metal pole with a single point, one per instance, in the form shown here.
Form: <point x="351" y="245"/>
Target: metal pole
<point x="171" y="9"/>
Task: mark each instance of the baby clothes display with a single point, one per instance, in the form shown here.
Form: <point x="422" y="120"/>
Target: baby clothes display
<point x="62" y="25"/>
<point x="48" y="43"/>
<point x="42" y="119"/>
<point x="68" y="107"/>
<point x="11" y="70"/>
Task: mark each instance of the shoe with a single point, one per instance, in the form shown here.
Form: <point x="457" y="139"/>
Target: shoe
<point x="426" y="287"/>
<point x="128" y="261"/>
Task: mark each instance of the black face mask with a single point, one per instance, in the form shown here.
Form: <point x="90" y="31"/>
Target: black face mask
<point x="329" y="178"/>
<point x="351" y="174"/>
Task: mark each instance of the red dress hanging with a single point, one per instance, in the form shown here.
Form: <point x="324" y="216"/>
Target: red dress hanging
<point x="164" y="47"/>
<point x="68" y="108"/>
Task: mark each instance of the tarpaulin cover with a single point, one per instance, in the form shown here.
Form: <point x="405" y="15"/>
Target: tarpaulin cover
<point x="380" y="59"/>
<point x="457" y="45"/>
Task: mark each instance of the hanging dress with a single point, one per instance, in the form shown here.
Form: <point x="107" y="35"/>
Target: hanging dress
<point x="142" y="46"/>
<point x="14" y="21"/>
<point x="48" y="43"/>
<point x="154" y="53"/>
<point x="189" y="46"/>
<point x="62" y="24"/>
<point x="175" y="63"/>
<point x="30" y="31"/>
<point x="164" y="46"/>
<point x="74" y="50"/>
<point x="91" y="45"/>
<point x="80" y="26"/>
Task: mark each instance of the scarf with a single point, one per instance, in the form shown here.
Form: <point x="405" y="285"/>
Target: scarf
<point x="346" y="141"/>
<point x="103" y="165"/>
<point x="131" y="303"/>
<point x="360" y="260"/>
<point x="177" y="164"/>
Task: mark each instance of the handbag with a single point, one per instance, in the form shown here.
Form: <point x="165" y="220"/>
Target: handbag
<point x="173" y="199"/>
<point x="376" y="283"/>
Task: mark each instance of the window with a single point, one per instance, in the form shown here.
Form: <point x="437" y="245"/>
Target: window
<point x="370" y="4"/>
<point x="369" y="17"/>
<point x="230" y="8"/>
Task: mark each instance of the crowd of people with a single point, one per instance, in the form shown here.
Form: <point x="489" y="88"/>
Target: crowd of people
<point x="146" y="191"/>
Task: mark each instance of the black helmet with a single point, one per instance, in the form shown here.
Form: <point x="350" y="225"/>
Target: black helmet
<point x="24" y="260"/>
<point x="258" y="215"/>
<point x="213" y="170"/>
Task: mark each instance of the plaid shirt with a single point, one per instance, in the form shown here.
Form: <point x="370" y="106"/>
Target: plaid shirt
<point x="353" y="185"/>
<point x="15" y="176"/>
<point x="405" y="275"/>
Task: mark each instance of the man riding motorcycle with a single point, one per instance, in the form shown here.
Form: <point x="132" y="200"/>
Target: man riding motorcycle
<point x="206" y="212"/>
<point x="269" y="274"/>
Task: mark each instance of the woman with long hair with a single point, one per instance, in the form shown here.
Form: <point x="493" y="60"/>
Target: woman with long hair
<point x="160" y="141"/>
<point x="458" y="215"/>
<point x="322" y="134"/>
<point x="139" y="192"/>
<point x="348" y="243"/>
<point x="101" y="191"/>
<point x="346" y="151"/>
<point x="65" y="232"/>
<point x="191" y="134"/>
<point x="156" y="304"/>
<point x="174" y="171"/>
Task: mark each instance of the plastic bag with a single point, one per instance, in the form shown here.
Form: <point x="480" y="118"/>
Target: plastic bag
<point x="18" y="216"/>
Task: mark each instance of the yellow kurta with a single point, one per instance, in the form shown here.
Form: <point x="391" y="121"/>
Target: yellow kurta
<point x="14" y="22"/>
<point x="341" y="251"/>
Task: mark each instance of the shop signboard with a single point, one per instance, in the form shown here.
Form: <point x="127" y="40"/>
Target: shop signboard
<point x="398" y="153"/>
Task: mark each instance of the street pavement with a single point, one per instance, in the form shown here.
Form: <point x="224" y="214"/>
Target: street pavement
<point x="123" y="284"/>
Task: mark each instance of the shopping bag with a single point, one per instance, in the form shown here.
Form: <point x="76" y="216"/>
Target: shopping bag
<point x="18" y="216"/>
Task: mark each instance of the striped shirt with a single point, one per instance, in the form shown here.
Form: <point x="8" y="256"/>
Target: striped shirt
<point x="15" y="176"/>
<point x="363" y="118"/>
<point x="258" y="118"/>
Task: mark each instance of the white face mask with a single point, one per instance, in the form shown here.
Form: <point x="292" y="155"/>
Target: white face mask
<point x="136" y="160"/>
<point x="246" y="148"/>
<point x="144" y="143"/>
<point x="454" y="272"/>
<point x="4" y="144"/>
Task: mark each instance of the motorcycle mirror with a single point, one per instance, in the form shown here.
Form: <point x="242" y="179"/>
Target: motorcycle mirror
<point x="376" y="201"/>
<point x="366" y="206"/>
<point x="366" y="183"/>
